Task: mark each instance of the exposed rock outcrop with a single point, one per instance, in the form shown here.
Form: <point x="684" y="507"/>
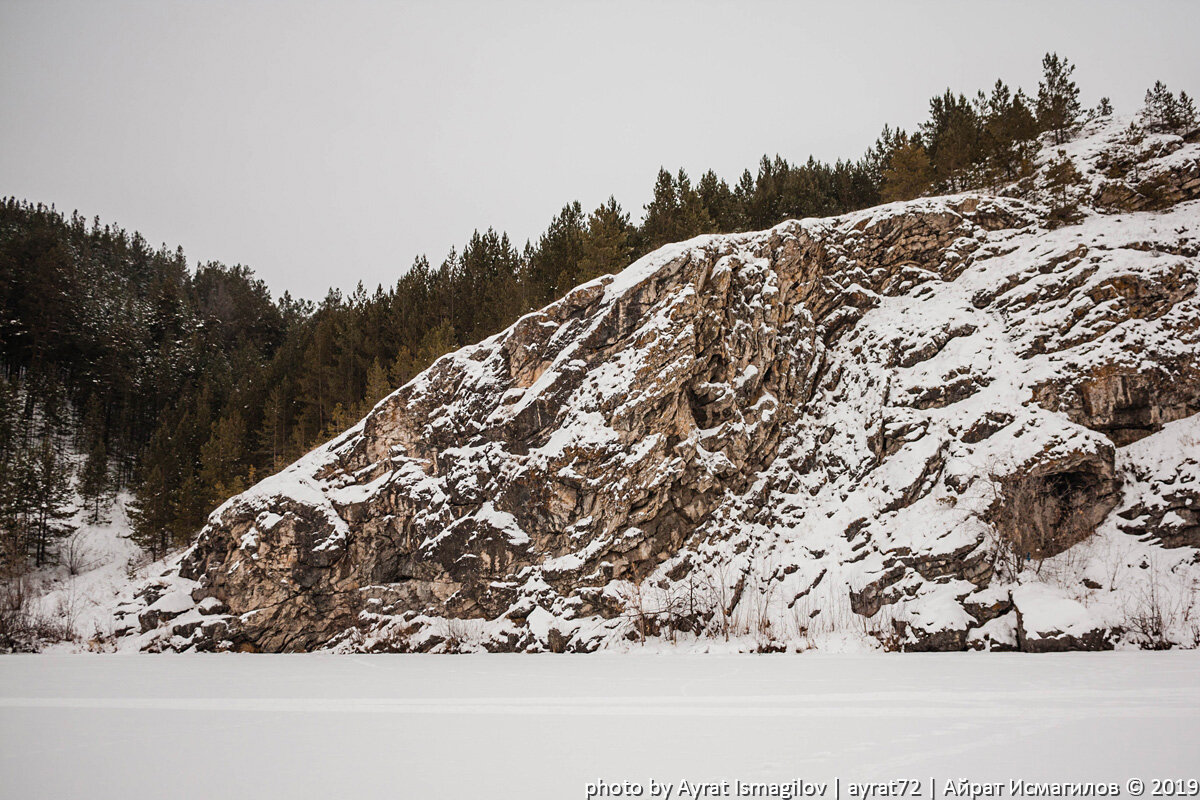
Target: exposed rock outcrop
<point x="870" y="423"/>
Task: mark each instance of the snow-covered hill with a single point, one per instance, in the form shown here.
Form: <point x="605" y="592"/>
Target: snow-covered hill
<point x="941" y="424"/>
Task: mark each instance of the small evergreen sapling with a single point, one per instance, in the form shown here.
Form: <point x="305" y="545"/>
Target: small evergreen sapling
<point x="1061" y="176"/>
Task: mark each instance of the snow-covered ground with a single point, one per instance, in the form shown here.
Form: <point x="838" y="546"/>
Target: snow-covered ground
<point x="95" y="568"/>
<point x="504" y="726"/>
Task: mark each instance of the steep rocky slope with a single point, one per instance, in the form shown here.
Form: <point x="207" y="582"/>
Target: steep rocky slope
<point x="937" y="424"/>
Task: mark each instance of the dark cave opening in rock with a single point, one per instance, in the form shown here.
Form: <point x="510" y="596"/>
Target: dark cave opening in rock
<point x="1041" y="515"/>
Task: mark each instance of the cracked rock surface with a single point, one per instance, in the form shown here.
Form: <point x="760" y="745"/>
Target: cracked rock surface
<point x="937" y="424"/>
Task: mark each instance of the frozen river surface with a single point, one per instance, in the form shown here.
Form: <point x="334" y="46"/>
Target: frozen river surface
<point x="493" y="726"/>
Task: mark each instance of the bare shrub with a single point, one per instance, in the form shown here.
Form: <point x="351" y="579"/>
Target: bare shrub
<point x="457" y="637"/>
<point x="1007" y="562"/>
<point x="831" y="613"/>
<point x="633" y="599"/>
<point x="21" y="629"/>
<point x="721" y="594"/>
<point x="1156" y="614"/>
<point x="14" y="618"/>
<point x="76" y="555"/>
<point x="756" y="614"/>
<point x="67" y="606"/>
<point x="883" y="628"/>
<point x="1114" y="560"/>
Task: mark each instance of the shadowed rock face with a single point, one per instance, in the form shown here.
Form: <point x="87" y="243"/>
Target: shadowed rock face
<point x="770" y="427"/>
<point x="1128" y="405"/>
<point x="1058" y="503"/>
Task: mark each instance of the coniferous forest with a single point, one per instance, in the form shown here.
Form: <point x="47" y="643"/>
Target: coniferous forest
<point x="123" y="367"/>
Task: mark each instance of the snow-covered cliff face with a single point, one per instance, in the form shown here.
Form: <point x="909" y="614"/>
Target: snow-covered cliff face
<point x="936" y="424"/>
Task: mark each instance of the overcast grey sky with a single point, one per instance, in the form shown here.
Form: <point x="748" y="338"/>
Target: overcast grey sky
<point x="323" y="143"/>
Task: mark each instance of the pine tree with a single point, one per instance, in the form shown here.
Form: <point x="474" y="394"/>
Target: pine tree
<point x="951" y="139"/>
<point x="720" y="203"/>
<point x="554" y="265"/>
<point x="1104" y="109"/>
<point x="661" y="224"/>
<point x="1061" y="175"/>
<point x="11" y="473"/>
<point x="1158" y="113"/>
<point x="1164" y="113"/>
<point x="317" y="378"/>
<point x="1058" y="97"/>
<point x="607" y="242"/>
<point x="1008" y="130"/>
<point x="1187" y="114"/>
<point x="187" y="506"/>
<point x="907" y="174"/>
<point x="694" y="218"/>
<point x="743" y="195"/>
<point x="273" y="435"/>
<point x="340" y="419"/>
<point x="49" y="499"/>
<point x="152" y="512"/>
<point x="379" y="386"/>
<point x="436" y="342"/>
<point x="93" y="479"/>
<point x="676" y="213"/>
<point x="221" y="459"/>
<point x="404" y="366"/>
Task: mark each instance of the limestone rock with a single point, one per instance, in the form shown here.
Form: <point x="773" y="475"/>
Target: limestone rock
<point x="866" y="423"/>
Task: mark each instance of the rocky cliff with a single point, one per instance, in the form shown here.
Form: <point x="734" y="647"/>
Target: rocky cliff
<point x="947" y="423"/>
